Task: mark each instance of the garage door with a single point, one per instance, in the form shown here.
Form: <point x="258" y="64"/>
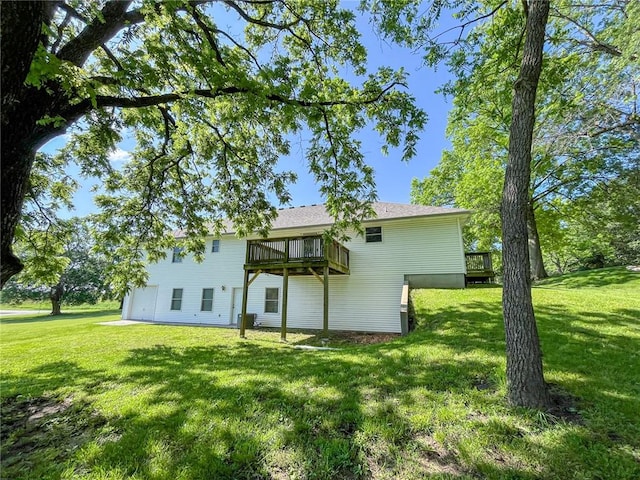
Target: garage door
<point x="143" y="303"/>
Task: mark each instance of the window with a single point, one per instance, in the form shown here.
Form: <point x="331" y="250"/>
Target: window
<point x="215" y="246"/>
<point x="271" y="300"/>
<point x="206" y="305"/>
<point x="176" y="299"/>
<point x="177" y="255"/>
<point x="373" y="234"/>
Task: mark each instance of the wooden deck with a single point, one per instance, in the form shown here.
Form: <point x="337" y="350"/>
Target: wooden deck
<point x="299" y="255"/>
<point x="479" y="267"/>
<point x="310" y="255"/>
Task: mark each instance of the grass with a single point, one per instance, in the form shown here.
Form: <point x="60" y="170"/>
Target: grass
<point x="83" y="400"/>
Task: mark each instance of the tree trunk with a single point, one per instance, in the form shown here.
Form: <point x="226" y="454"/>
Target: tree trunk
<point x="55" y="295"/>
<point x="525" y="381"/>
<point x="538" y="271"/>
<point x="21" y="109"/>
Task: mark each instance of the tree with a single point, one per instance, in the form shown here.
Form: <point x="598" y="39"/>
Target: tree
<point x="61" y="264"/>
<point x="211" y="109"/>
<point x="587" y="130"/>
<point x="525" y="380"/>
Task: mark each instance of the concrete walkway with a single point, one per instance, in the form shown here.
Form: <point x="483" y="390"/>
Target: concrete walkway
<point x="120" y="323"/>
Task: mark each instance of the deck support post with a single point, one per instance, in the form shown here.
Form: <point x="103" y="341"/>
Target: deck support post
<point x="285" y="297"/>
<point x="325" y="310"/>
<point x="245" y="294"/>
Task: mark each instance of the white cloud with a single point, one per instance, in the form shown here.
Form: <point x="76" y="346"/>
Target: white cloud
<point x="119" y="155"/>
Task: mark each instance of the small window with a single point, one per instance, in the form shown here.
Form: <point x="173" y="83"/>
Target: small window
<point x="176" y="299"/>
<point x="373" y="234"/>
<point x="207" y="300"/>
<point x="177" y="255"/>
<point x="271" y="300"/>
<point x="215" y="246"/>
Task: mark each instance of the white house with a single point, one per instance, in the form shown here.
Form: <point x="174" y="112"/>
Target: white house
<point x="298" y="279"/>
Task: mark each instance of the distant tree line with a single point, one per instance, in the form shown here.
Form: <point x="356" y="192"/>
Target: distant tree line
<point x="61" y="267"/>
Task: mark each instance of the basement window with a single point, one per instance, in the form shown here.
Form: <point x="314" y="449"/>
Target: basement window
<point x="271" y="300"/>
<point x="373" y="234"/>
<point x="176" y="299"/>
<point x="215" y="246"/>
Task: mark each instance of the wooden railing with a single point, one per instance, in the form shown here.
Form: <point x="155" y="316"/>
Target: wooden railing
<point x="296" y="250"/>
<point x="338" y="253"/>
<point x="478" y="261"/>
<point x="479" y="268"/>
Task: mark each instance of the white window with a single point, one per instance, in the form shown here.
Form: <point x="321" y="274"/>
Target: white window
<point x="177" y="255"/>
<point x="373" y="234"/>
<point x="206" y="305"/>
<point x="271" y="300"/>
<point x="176" y="299"/>
<point x="215" y="246"/>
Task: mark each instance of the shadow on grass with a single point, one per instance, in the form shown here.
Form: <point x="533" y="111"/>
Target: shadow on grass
<point x="573" y="343"/>
<point x="249" y="410"/>
<point x="478" y="286"/>
<point x="45" y="317"/>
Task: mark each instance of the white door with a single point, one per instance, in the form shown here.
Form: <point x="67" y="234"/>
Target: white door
<point x="236" y="308"/>
<point x="143" y="303"/>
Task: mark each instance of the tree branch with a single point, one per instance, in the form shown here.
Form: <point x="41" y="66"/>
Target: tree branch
<point x="595" y="45"/>
<point x="471" y="22"/>
<point x="207" y="33"/>
<point x="240" y="46"/>
<point x="98" y="32"/>
<point x="61" y="27"/>
<point x="71" y="11"/>
<point x="75" y="111"/>
<point x="257" y="21"/>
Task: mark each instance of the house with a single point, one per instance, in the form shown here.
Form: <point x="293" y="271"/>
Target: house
<point x="297" y="279"/>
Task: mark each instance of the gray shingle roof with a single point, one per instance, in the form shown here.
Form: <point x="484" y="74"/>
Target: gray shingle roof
<point x="316" y="215"/>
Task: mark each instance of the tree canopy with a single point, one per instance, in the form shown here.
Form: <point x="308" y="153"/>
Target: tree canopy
<point x="211" y="92"/>
<point x="60" y="265"/>
<point x="586" y="136"/>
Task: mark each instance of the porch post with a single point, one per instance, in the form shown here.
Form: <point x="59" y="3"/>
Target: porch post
<point x="245" y="294"/>
<point x="325" y="311"/>
<point x="285" y="296"/>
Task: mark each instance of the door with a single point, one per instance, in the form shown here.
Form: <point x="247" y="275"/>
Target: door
<point x="236" y="307"/>
<point x="143" y="303"/>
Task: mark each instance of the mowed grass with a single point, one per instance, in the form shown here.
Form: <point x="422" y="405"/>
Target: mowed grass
<point x="83" y="400"/>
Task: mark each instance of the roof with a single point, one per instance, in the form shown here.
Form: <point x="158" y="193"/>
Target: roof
<point x="316" y="215"/>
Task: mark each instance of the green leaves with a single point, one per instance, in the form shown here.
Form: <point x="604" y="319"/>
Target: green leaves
<point x="211" y="94"/>
<point x="585" y="136"/>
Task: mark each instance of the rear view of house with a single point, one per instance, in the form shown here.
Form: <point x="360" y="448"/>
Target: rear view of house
<point x="298" y="279"/>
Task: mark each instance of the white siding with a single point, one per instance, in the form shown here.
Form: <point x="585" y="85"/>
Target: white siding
<point x="366" y="300"/>
<point x="218" y="270"/>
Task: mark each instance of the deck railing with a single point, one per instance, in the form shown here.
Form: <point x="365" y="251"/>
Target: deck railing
<point x="296" y="250"/>
<point x="478" y="261"/>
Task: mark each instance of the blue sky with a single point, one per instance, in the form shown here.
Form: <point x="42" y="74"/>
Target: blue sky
<point x="393" y="177"/>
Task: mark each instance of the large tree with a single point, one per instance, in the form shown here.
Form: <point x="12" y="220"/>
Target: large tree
<point x="587" y="134"/>
<point x="525" y="380"/>
<point x="211" y="92"/>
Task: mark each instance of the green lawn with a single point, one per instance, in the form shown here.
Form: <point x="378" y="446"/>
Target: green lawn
<point x="83" y="400"/>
